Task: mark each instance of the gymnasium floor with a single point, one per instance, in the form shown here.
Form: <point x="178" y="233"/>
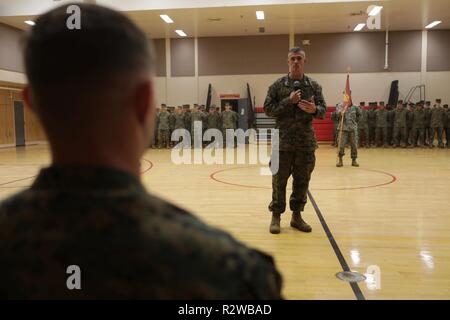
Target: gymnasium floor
<point x="393" y="212"/>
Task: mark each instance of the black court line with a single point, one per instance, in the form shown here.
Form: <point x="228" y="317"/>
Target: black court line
<point x="355" y="287"/>
<point x="5" y="183"/>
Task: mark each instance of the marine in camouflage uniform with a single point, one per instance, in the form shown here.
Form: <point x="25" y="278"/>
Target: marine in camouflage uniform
<point x="228" y="119"/>
<point x="164" y="128"/>
<point x="89" y="207"/>
<point x="179" y="122"/>
<point x="350" y="126"/>
<point x="400" y="123"/>
<point x="428" y="132"/>
<point x="297" y="141"/>
<point x="202" y="109"/>
<point x="187" y="117"/>
<point x="381" y="123"/>
<point x="419" y="119"/>
<point x="154" y="142"/>
<point x="128" y="244"/>
<point x="335" y="119"/>
<point x="390" y="124"/>
<point x="213" y="121"/>
<point x="196" y="116"/>
<point x="372" y="122"/>
<point x="171" y="111"/>
<point x="363" y="126"/>
<point x="447" y="124"/>
<point x="437" y="124"/>
<point x="409" y="123"/>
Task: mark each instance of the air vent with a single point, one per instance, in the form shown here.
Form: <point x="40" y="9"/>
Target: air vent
<point x="214" y="19"/>
<point x="262" y="30"/>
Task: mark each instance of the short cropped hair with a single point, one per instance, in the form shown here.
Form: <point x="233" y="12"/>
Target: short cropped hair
<point x="108" y="45"/>
<point x="296" y="50"/>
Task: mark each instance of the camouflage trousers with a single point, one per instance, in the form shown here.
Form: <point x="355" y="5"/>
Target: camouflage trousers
<point x="335" y="134"/>
<point x="164" y="138"/>
<point x="436" y="132"/>
<point x="364" y="135"/>
<point x="350" y="137"/>
<point x="300" y="165"/>
<point x="418" y="137"/>
<point x="447" y="136"/>
<point x="381" y="131"/>
<point x="372" y="135"/>
<point x="154" y="142"/>
<point x="400" y="137"/>
<point x="409" y="135"/>
<point x="390" y="135"/>
<point x="428" y="136"/>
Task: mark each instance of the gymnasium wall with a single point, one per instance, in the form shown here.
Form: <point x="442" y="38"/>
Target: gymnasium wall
<point x="228" y="63"/>
<point x="12" y="76"/>
<point x="10" y="49"/>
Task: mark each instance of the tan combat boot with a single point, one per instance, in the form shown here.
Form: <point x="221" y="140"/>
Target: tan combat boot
<point x="275" y="223"/>
<point x="339" y="164"/>
<point x="298" y="223"/>
<point x="354" y="163"/>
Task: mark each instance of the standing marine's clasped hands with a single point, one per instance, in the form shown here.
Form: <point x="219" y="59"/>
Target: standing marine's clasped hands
<point x="307" y="106"/>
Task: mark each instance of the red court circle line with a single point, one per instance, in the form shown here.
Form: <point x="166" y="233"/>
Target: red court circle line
<point x="148" y="169"/>
<point x="394" y="179"/>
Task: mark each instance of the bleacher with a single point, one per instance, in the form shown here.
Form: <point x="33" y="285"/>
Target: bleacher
<point x="323" y="128"/>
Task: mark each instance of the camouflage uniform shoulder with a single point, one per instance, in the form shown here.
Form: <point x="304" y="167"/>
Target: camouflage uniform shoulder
<point x="211" y="251"/>
<point x="313" y="82"/>
<point x="280" y="82"/>
<point x="173" y="248"/>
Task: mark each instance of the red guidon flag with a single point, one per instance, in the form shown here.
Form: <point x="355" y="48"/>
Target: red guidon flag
<point x="347" y="94"/>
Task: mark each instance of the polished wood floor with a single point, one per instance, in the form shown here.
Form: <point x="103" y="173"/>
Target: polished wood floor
<point x="392" y="213"/>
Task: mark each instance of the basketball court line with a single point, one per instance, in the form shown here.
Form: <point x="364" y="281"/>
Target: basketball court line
<point x="5" y="183"/>
<point x="345" y="267"/>
<point x="355" y="287"/>
<point x="149" y="167"/>
<point x="2" y="185"/>
<point x="392" y="178"/>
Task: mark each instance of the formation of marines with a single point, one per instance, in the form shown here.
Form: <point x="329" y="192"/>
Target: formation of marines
<point x="170" y="119"/>
<point x="406" y="125"/>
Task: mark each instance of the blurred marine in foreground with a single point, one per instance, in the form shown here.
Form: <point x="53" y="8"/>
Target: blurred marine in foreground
<point x="89" y="209"/>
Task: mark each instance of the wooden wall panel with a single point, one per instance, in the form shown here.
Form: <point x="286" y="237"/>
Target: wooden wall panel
<point x="33" y="128"/>
<point x="7" y="134"/>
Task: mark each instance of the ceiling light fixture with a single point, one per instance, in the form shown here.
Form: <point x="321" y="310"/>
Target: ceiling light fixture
<point x="359" y="27"/>
<point x="166" y="18"/>
<point x="260" y="15"/>
<point x="181" y="33"/>
<point x="375" y="11"/>
<point x="433" y="24"/>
